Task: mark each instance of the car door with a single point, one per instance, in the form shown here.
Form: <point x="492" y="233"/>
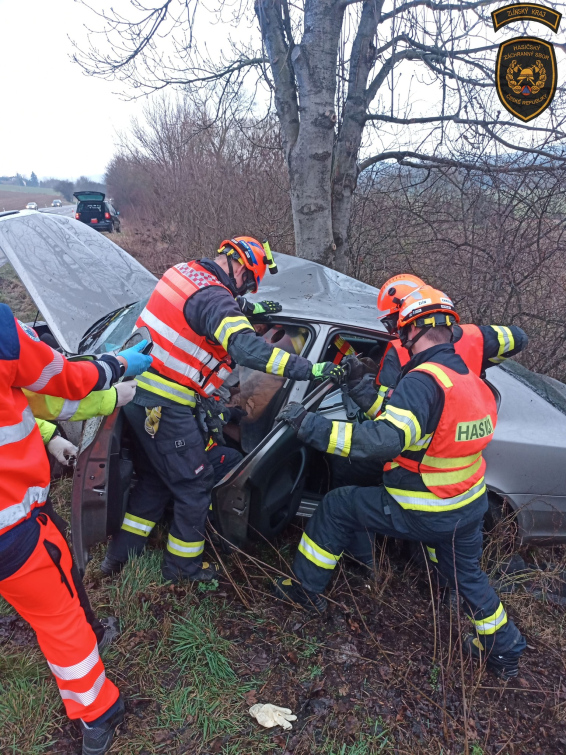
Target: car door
<point x="265" y="491"/>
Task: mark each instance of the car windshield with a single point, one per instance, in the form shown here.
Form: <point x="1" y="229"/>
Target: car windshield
<point x="548" y="388"/>
<point x="112" y="331"/>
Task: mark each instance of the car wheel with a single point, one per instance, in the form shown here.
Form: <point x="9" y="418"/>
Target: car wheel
<point x="111" y="229"/>
<point x="118" y="228"/>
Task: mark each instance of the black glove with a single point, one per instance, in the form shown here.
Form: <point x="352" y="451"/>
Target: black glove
<point x="356" y="368"/>
<point x="258" y="308"/>
<point x="237" y="414"/>
<point x="326" y="370"/>
<point x="293" y="414"/>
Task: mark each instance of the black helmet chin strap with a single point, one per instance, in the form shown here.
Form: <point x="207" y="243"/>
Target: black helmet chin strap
<point x="404" y="337"/>
<point x="240" y="290"/>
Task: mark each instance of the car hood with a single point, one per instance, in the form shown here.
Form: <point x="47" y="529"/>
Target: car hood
<point x="314" y="292"/>
<point x="74" y="274"/>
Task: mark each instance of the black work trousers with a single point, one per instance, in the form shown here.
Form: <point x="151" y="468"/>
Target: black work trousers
<point x="362" y="473"/>
<point x="171" y="466"/>
<point x="457" y="550"/>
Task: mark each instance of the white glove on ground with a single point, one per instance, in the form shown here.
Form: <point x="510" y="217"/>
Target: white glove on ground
<point x="61" y="449"/>
<point x="125" y="392"/>
<point x="269" y="715"/>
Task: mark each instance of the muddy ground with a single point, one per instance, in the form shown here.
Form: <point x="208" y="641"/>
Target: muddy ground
<point x="381" y="672"/>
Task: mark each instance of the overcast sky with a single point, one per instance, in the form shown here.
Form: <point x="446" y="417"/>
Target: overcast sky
<point x="55" y="121"/>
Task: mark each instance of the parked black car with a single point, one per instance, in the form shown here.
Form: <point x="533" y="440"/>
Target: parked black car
<point x="93" y="210"/>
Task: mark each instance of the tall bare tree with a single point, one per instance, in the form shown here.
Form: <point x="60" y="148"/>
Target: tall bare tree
<point x="353" y="83"/>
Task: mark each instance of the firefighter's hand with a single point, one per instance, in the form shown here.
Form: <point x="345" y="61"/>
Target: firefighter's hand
<point x="136" y="362"/>
<point x="356" y="368"/>
<point x="293" y="414"/>
<point x="269" y="715"/>
<point x="259" y="308"/>
<point x="63" y="450"/>
<point x="125" y="392"/>
<point x="326" y="370"/>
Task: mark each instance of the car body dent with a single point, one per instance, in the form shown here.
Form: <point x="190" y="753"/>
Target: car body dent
<point x="53" y="254"/>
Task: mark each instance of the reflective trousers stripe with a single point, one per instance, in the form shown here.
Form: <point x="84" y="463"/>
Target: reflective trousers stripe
<point x="53" y="368"/>
<point x="167" y="388"/>
<point x="186" y="550"/>
<point x="84" y="698"/>
<point x="432" y="554"/>
<point x="492" y="623"/>
<point x="77" y="670"/>
<point x="340" y="441"/>
<point x="317" y="555"/>
<point x="12" y="514"/>
<point x="415" y="499"/>
<point x="19" y="431"/>
<point x="277" y="362"/>
<point x="137" y="525"/>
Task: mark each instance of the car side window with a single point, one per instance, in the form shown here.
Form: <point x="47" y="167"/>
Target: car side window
<point x="258" y="393"/>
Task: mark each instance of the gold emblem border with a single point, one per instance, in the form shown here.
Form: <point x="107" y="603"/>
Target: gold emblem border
<point x="499" y="25"/>
<point x="554" y="75"/>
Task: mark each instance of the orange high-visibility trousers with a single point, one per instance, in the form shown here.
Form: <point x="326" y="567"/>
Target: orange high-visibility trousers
<point x="42" y="592"/>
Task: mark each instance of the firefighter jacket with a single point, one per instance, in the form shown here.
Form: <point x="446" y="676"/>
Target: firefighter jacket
<point x="27" y="362"/>
<point x="480" y="346"/>
<point x="433" y="431"/>
<point x="198" y="332"/>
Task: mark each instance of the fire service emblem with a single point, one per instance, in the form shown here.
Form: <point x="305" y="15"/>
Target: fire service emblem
<point x="526" y="76"/>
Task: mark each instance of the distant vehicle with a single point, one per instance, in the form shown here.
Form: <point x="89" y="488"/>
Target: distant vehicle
<point x="93" y="210"/>
<point x="32" y="206"/>
<point x="56" y="203"/>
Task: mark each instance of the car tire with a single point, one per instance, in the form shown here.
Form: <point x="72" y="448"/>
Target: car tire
<point x="111" y="229"/>
<point x="118" y="228"/>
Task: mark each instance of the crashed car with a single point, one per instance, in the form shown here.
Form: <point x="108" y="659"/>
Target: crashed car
<point x="90" y="293"/>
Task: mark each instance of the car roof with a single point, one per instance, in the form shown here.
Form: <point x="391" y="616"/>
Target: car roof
<point x="316" y="293"/>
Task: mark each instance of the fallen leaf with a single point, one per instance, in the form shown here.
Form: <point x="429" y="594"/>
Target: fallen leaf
<point x="251" y="697"/>
<point x="351" y="725"/>
<point x="293" y="657"/>
<point x="523" y="682"/>
<point x="343" y="690"/>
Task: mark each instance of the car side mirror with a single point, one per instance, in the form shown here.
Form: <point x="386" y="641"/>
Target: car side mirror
<point x="117" y="212"/>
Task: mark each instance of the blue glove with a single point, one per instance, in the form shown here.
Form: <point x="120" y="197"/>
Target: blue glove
<point x="137" y="363"/>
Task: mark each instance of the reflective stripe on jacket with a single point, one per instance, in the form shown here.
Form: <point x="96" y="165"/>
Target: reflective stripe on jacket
<point x="24" y="466"/>
<point x="185" y="361"/>
<point x="54" y="408"/>
<point x="449" y="462"/>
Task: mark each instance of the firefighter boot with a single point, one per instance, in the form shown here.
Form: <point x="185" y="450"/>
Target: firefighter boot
<point x="98" y="734"/>
<point x="293" y="592"/>
<point x="206" y="573"/>
<point x="504" y="665"/>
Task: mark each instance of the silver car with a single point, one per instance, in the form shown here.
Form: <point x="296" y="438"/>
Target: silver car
<point x="90" y="292"/>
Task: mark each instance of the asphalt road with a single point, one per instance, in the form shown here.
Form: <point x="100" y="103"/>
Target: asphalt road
<point x="67" y="209"/>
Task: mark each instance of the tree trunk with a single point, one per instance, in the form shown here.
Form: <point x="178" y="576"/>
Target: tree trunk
<point x="345" y="167"/>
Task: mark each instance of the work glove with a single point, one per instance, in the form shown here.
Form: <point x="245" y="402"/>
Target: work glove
<point x="293" y="414"/>
<point x="136" y="363"/>
<point x="237" y="414"/>
<point x="269" y="715"/>
<point x="125" y="392"/>
<point x="62" y="450"/>
<point x="356" y="368"/>
<point x="329" y="370"/>
<point x="259" y="308"/>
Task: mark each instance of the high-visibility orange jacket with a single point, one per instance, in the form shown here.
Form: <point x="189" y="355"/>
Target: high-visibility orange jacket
<point x="26" y="362"/>
<point x="178" y="352"/>
<point x="449" y="461"/>
<point x="480" y="346"/>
